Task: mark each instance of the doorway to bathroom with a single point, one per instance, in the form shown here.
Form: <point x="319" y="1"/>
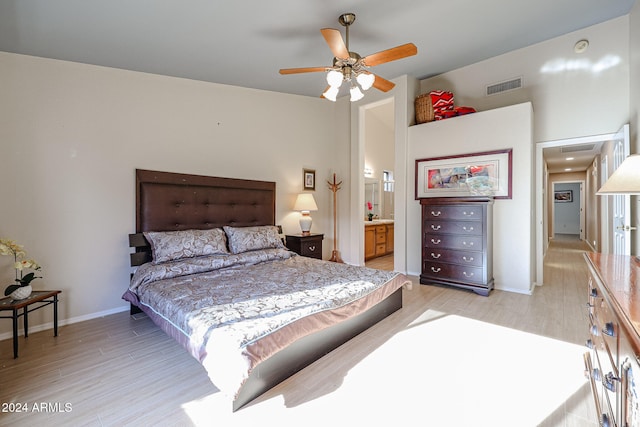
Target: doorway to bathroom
<point x="379" y="162"/>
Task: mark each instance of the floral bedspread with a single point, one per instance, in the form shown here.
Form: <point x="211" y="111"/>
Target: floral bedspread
<point x="228" y="304"/>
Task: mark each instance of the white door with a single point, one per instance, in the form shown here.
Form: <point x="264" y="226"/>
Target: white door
<point x="582" y="215"/>
<point x="621" y="204"/>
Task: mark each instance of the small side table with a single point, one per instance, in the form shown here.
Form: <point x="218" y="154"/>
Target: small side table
<point x="42" y="298"/>
<point x="309" y="246"/>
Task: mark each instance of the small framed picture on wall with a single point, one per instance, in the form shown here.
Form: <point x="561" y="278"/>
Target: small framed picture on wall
<point x="309" y="179"/>
<point x="564" y="196"/>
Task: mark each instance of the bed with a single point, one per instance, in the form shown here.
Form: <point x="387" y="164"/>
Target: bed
<point x="213" y="273"/>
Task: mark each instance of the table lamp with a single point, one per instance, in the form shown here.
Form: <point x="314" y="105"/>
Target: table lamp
<point x="625" y="179"/>
<point x="305" y="203"/>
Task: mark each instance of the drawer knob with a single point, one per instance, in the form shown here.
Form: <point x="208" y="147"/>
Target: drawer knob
<point x="594" y="331"/>
<point x="435" y="227"/>
<point x="467" y="274"/>
<point x="436" y="241"/>
<point x="605" y="421"/>
<point x="465" y="213"/>
<point x="436" y="270"/>
<point x="596" y="374"/>
<point x="609" y="329"/>
<point x="594" y="292"/>
<point x="467" y="243"/>
<point x="438" y="213"/>
<point x="469" y="259"/>
<point x="465" y="228"/>
<point x="435" y="256"/>
<point x="312" y="248"/>
<point x="589" y="343"/>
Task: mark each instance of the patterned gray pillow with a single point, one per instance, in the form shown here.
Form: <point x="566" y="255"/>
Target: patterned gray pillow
<point x="174" y="245"/>
<point x="243" y="239"/>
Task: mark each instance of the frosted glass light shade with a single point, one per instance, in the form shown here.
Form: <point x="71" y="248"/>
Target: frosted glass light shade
<point x="365" y="80"/>
<point x="334" y="78"/>
<point x="356" y="94"/>
<point x="331" y="94"/>
<point x="625" y="179"/>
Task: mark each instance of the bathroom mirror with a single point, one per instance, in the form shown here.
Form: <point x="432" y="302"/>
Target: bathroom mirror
<point x="372" y="196"/>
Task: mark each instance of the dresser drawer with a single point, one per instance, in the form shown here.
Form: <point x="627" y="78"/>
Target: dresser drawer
<point x="454" y="227"/>
<point x="453" y="212"/>
<point x="452" y="241"/>
<point x="474" y="259"/>
<point x="442" y="271"/>
<point x="311" y="248"/>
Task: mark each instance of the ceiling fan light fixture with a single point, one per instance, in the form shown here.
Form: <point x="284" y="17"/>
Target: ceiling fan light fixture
<point x="356" y="93"/>
<point x="334" y="78"/>
<point x="365" y="80"/>
<point x="331" y="94"/>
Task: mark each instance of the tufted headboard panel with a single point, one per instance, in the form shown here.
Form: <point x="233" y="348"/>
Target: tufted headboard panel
<point x="169" y="201"/>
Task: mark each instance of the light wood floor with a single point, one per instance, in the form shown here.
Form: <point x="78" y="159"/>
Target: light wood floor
<point x="447" y="358"/>
<point x="381" y="263"/>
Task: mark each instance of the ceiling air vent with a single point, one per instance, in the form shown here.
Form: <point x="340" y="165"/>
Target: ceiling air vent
<point x="504" y="86"/>
<point x="578" y="147"/>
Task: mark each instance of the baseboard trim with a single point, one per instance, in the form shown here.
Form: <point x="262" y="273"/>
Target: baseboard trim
<point x="62" y="322"/>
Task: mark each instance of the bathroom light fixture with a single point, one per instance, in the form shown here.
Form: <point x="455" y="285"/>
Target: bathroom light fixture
<point x="305" y="203"/>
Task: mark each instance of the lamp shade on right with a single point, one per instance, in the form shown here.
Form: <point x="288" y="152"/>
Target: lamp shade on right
<point x="625" y="179"/>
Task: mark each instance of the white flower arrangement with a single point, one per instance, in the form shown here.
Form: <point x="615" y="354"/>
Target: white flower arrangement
<point x="9" y="247"/>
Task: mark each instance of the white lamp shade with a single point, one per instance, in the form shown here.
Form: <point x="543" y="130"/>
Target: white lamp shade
<point x="625" y="179"/>
<point x="356" y="94"/>
<point x="334" y="78"/>
<point x="331" y="94"/>
<point x="365" y="80"/>
<point x="305" y="203"/>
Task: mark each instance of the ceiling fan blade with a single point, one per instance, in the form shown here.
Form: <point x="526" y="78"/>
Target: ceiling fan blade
<point x="389" y="55"/>
<point x="335" y="42"/>
<point x="302" y="70"/>
<point x="382" y="84"/>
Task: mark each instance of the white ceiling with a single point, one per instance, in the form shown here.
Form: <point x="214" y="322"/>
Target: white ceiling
<point x="245" y="43"/>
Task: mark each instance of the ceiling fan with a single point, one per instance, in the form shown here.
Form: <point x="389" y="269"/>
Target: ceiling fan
<point x="351" y="67"/>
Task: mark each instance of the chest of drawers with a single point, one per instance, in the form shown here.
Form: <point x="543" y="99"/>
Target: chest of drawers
<point x="457" y="243"/>
<point x="612" y="365"/>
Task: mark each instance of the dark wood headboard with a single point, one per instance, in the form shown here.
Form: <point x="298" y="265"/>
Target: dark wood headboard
<point x="168" y="201"/>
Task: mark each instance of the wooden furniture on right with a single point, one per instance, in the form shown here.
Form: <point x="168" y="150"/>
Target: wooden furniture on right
<point x="614" y="326"/>
<point x="378" y="240"/>
<point x="42" y="298"/>
<point x="457" y="242"/>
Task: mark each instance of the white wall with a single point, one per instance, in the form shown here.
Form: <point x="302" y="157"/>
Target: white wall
<point x="501" y="128"/>
<point x="72" y="135"/>
<point x="571" y="96"/>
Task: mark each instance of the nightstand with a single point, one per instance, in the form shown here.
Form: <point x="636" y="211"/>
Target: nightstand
<point x="309" y="246"/>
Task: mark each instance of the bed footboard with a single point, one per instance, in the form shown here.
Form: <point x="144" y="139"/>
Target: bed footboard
<point x="311" y="348"/>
